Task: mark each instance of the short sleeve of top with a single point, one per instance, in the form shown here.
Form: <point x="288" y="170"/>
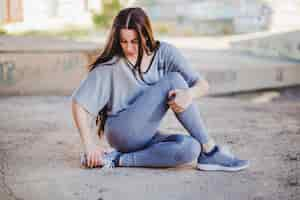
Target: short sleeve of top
<point x="176" y="62"/>
<point x="94" y="91"/>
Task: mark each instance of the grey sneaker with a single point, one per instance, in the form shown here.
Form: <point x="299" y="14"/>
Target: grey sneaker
<point x="110" y="159"/>
<point x="220" y="159"/>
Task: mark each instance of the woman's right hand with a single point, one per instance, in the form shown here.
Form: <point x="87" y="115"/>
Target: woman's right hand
<point x="94" y="156"/>
<point x="85" y="123"/>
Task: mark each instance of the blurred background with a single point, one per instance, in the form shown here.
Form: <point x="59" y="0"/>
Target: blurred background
<point x="172" y="17"/>
<point x="256" y="42"/>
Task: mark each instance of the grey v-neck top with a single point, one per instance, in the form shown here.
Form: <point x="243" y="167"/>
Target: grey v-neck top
<point x="114" y="84"/>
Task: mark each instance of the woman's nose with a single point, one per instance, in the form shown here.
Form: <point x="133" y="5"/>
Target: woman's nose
<point x="129" y="48"/>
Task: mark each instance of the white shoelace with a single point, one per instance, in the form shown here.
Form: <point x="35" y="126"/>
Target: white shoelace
<point x="108" y="163"/>
<point x="227" y="151"/>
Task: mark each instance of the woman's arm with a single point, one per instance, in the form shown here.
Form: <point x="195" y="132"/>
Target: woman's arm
<point x="199" y="89"/>
<point x="184" y="97"/>
<point x="86" y="126"/>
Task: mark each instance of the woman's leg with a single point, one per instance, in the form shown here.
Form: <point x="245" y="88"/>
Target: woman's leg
<point x="133" y="128"/>
<point x="165" y="150"/>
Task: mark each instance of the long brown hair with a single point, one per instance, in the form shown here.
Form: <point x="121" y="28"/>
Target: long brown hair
<point x="129" y="18"/>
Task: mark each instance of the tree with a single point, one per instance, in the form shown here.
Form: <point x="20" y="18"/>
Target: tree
<point x="109" y="9"/>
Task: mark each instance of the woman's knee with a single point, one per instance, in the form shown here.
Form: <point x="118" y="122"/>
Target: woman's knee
<point x="176" y="80"/>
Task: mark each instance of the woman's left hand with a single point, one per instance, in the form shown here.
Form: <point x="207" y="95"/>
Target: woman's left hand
<point x="182" y="100"/>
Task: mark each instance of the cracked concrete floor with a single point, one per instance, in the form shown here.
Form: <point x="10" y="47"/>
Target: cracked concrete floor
<point x="39" y="155"/>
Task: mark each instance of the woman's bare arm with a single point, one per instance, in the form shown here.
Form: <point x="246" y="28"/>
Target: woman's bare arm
<point x="200" y="89"/>
<point x="86" y="126"/>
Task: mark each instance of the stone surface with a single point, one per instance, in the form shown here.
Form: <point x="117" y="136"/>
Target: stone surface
<point x="280" y="44"/>
<point x="39" y="154"/>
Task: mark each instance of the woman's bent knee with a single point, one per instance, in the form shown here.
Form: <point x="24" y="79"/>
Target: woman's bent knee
<point x="176" y="80"/>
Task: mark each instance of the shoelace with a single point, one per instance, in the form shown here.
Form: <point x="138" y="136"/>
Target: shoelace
<point x="226" y="151"/>
<point x="108" y="162"/>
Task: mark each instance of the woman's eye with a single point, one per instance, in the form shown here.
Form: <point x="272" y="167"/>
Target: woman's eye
<point x="132" y="42"/>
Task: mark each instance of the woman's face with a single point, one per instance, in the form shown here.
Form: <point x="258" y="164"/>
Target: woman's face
<point x="129" y="42"/>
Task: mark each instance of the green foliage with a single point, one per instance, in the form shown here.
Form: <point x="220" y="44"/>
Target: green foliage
<point x="2" y="31"/>
<point x="72" y="32"/>
<point x="110" y="9"/>
<point x="162" y="28"/>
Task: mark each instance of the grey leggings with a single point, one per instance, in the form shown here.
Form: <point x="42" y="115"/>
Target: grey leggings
<point x="134" y="131"/>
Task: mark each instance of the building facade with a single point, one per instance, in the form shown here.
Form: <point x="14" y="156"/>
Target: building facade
<point x="204" y="16"/>
<point x="11" y="11"/>
<point x="44" y="14"/>
<point x="215" y="16"/>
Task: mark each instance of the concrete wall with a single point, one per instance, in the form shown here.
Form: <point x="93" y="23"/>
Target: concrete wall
<point x="41" y="73"/>
<point x="252" y="78"/>
<point x="59" y="73"/>
<point x="42" y="65"/>
<point x="281" y="44"/>
<point x="58" y="67"/>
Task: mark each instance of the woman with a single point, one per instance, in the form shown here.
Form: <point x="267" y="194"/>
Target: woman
<point x="134" y="81"/>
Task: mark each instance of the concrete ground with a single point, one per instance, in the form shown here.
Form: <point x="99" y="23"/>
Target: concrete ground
<point x="39" y="154"/>
<point x="39" y="146"/>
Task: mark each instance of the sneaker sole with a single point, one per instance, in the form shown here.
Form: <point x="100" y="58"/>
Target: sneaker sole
<point x="207" y="167"/>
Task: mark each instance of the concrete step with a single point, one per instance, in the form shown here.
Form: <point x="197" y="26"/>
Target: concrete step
<point x="229" y="71"/>
<point x="46" y="44"/>
<point x="274" y="44"/>
<point x="42" y="65"/>
<point x="56" y="67"/>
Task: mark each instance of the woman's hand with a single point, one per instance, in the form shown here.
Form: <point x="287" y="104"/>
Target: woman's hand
<point x="180" y="99"/>
<point x="94" y="156"/>
<point x="86" y="125"/>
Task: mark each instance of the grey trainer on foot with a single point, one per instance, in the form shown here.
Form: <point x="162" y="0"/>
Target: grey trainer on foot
<point x="220" y="159"/>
